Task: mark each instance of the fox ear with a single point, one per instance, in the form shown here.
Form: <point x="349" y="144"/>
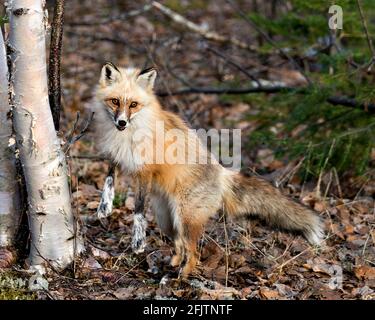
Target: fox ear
<point x="109" y="74"/>
<point x="146" y="78"/>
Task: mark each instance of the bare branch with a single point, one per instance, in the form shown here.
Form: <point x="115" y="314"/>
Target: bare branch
<point x="334" y="100"/>
<point x="74" y="138"/>
<point x="368" y="37"/>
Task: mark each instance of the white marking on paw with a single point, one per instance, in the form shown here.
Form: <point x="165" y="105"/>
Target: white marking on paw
<point x="139" y="233"/>
<point x="106" y="201"/>
<point x="316" y="235"/>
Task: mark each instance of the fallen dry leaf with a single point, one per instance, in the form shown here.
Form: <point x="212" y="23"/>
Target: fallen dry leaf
<point x="268" y="294"/>
<point x="99" y="253"/>
<point x="344" y="213"/>
<point x="124" y="293"/>
<point x="92" y="205"/>
<point x="91" y="264"/>
<point x="320" y="206"/>
<point x="7" y="257"/>
<point x="364" y="272"/>
<point x="236" y="260"/>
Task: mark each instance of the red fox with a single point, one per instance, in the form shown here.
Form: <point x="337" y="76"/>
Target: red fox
<point x="183" y="195"/>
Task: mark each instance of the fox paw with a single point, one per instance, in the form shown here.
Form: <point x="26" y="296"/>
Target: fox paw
<point x="185" y="272"/>
<point x="176" y="260"/>
<point x="139" y="233"/>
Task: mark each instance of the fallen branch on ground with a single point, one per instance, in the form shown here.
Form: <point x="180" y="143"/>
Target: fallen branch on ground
<point x="352" y="103"/>
<point x="234" y="64"/>
<point x="207" y="34"/>
<point x="203" y="90"/>
<point x="335" y="100"/>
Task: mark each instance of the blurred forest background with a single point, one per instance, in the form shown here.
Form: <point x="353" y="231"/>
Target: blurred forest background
<point x="289" y="44"/>
<point x="304" y="98"/>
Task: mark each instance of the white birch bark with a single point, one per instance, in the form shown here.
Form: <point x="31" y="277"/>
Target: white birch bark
<point x="9" y="201"/>
<point x="50" y="216"/>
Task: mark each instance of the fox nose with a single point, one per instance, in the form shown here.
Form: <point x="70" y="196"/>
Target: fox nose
<point x="121" y="124"/>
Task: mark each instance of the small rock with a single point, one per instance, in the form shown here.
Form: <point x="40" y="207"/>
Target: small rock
<point x="91" y="263"/>
<point x="37" y="282"/>
<point x="100" y="253"/>
<point x="163" y="282"/>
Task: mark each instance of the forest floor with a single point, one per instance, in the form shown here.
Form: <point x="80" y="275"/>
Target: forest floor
<point x="238" y="260"/>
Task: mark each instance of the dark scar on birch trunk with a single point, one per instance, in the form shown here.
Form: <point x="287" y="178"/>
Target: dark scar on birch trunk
<point x="20" y="11"/>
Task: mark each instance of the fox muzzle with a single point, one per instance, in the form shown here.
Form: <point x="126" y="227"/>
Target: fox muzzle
<point x="121" y="125"/>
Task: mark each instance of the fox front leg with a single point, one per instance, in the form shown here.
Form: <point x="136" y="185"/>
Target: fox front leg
<point x="139" y="224"/>
<point x="108" y="194"/>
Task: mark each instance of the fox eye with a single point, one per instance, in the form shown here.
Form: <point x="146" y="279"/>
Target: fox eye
<point x="133" y="104"/>
<point x="116" y="102"/>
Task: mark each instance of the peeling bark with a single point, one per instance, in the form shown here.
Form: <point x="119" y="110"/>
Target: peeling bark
<point x="51" y="219"/>
<point x="9" y="201"/>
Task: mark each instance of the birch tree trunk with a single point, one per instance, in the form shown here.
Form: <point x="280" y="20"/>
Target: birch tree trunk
<point x="52" y="226"/>
<point x="9" y="201"/>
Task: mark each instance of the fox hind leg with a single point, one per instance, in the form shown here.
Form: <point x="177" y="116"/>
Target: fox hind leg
<point x="178" y="258"/>
<point x="186" y="243"/>
<point x="166" y="220"/>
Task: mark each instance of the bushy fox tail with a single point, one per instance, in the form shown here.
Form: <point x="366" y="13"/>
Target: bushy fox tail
<point x="252" y="196"/>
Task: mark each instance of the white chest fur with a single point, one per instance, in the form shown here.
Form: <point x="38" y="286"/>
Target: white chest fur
<point x="122" y="149"/>
<point x="125" y="147"/>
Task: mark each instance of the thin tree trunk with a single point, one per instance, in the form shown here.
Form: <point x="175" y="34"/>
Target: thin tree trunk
<point x="54" y="85"/>
<point x="50" y="216"/>
<point x="9" y="201"/>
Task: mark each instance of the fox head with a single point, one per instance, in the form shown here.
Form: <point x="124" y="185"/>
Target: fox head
<point x="126" y="94"/>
